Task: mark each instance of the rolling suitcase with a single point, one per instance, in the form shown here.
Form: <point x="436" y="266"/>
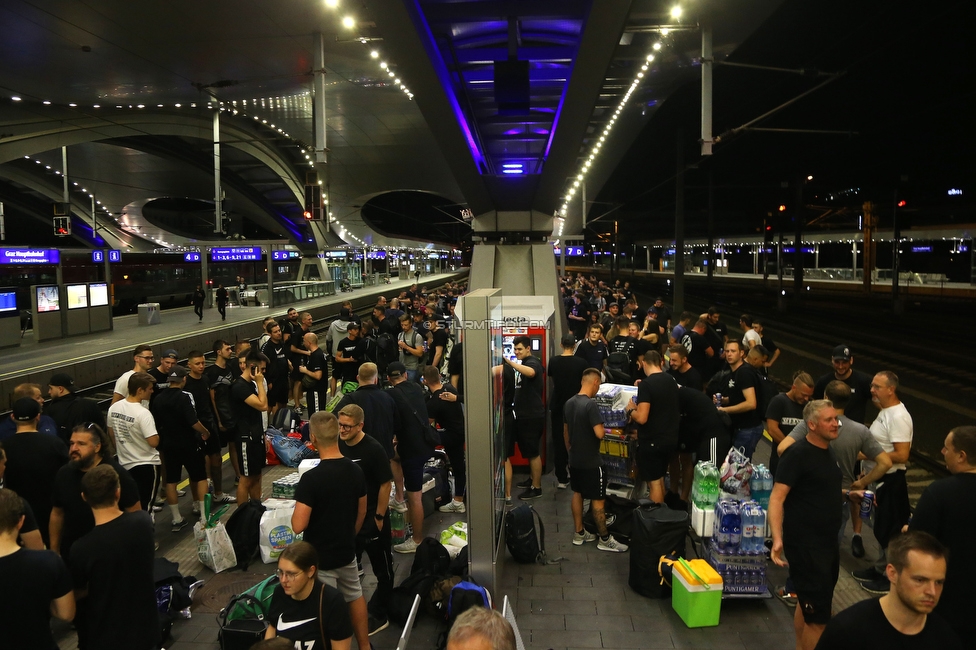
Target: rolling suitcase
<point x="657" y="531"/>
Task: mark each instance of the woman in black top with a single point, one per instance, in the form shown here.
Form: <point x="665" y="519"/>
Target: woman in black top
<point x="304" y="609"/>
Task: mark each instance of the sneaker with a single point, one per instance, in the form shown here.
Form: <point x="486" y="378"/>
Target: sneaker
<point x="408" y="546"/>
<point x="375" y="624"/>
<point x="160" y="501"/>
<point x="787" y="597"/>
<point x="876" y="586"/>
<point x="527" y="483"/>
<point x="224" y="498"/>
<point x="582" y="538"/>
<point x="195" y="509"/>
<point x="399" y="506"/>
<point x="857" y="547"/>
<point x="531" y="493"/>
<point x="180" y="494"/>
<point x="157" y="508"/>
<point x="179" y="525"/>
<point x="611" y="545"/>
<point x="453" y="506"/>
<point x="867" y="575"/>
<point x="508" y="500"/>
<point x="562" y="486"/>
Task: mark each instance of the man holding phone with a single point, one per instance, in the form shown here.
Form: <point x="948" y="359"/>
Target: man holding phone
<point x="248" y="401"/>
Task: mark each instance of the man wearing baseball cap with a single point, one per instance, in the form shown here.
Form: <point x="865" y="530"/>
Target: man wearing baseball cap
<point x="161" y="372"/>
<point x="859" y="383"/>
<point x="68" y="409"/>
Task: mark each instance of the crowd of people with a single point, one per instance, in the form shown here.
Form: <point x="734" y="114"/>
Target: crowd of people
<point x="702" y="389"/>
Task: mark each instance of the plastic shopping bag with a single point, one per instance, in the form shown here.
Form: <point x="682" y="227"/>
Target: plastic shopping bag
<point x="736" y="472"/>
<point x="276" y="533"/>
<point x="214" y="547"/>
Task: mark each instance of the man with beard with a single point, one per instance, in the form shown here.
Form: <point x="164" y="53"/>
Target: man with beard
<point x="279" y="367"/>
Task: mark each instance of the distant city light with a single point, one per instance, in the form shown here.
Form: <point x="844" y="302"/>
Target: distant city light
<point x="676" y="12"/>
<point x="348" y="22"/>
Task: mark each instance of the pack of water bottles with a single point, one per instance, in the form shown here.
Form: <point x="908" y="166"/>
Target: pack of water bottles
<point x="738" y="550"/>
<point x="705" y="487"/>
<point x="613" y="400"/>
<point x="761" y="485"/>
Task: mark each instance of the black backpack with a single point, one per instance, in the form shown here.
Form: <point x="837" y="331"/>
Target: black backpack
<point x="437" y="467"/>
<point x="287" y="420"/>
<point x="525" y="543"/>
<point x="244" y="530"/>
<point x="658" y="531"/>
<point x="387" y="351"/>
<point x="172" y="594"/>
<point x="431" y="562"/>
<point x="619" y="368"/>
<point x="465" y="595"/>
<point x="619" y="518"/>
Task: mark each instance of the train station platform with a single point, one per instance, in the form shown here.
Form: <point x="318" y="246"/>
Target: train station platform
<point x="97" y="358"/>
<point x="583" y="601"/>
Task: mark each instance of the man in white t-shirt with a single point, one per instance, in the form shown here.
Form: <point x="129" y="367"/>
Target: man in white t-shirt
<point x="142" y="358"/>
<point x="134" y="430"/>
<point x="751" y="338"/>
<point x="893" y="431"/>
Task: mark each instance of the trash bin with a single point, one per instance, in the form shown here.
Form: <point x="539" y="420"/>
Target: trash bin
<point x="149" y="314"/>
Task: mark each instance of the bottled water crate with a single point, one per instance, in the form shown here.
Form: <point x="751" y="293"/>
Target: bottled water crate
<point x="742" y="574"/>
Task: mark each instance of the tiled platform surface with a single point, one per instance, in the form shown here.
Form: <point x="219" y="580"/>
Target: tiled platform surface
<point x="581" y="602"/>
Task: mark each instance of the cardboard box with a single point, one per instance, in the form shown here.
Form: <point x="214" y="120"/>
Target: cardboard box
<point x="307" y="464"/>
<point x="698" y="604"/>
<point x="703" y="521"/>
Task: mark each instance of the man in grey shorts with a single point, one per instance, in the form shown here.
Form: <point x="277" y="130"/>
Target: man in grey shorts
<point x="330" y="510"/>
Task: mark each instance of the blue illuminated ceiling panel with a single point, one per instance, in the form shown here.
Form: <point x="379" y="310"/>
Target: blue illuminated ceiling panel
<point x="509" y="65"/>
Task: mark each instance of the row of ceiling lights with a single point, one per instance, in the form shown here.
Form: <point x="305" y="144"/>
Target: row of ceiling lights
<point x="571" y="192"/>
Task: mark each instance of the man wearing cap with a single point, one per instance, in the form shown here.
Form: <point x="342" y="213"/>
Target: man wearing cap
<point x="181" y="441"/>
<point x="349" y="354"/>
<point x="67" y="409"/>
<point x="46" y="424"/>
<point x="33" y="460"/>
<point x="413" y="450"/>
<point x="859" y="382"/>
<point x="663" y="313"/>
<point x="161" y="372"/>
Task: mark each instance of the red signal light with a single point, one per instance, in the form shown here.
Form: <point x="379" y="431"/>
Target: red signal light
<point x="768" y="228"/>
<point x="307" y="214"/>
<point x="902" y="203"/>
<point x="782" y="208"/>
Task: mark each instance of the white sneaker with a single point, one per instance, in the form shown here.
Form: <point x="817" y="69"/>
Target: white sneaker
<point x="611" y="545"/>
<point x="579" y="540"/>
<point x="453" y="506"/>
<point x="399" y="506"/>
<point x="408" y="546"/>
<point x="562" y="486"/>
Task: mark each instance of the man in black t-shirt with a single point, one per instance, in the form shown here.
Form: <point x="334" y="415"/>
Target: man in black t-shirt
<point x="566" y="372"/>
<point x="314" y="371"/>
<point x="198" y="386"/>
<point x="71" y="517"/>
<point x="350" y="353"/>
<point x="279" y="367"/>
<point x="804" y="516"/>
<point x="444" y="409"/>
<point x="249" y="401"/>
<point x="578" y="316"/>
<point x="36" y="584"/>
<point x="330" y="510"/>
<point x="221" y="376"/>
<point x="593" y="350"/>
<point x="299" y="355"/>
<point x="33" y="459"/>
<point x="582" y="432"/>
<point x="903" y="618"/>
<point x="112" y="566"/>
<point x="682" y="371"/>
<point x="161" y="372"/>
<point x="701" y="354"/>
<point x="67" y="409"/>
<point x="181" y="440"/>
<point x="859" y="382"/>
<point x="785" y="411"/>
<point x="455" y="367"/>
<point x="702" y="429"/>
<point x="740" y="399"/>
<point x="374" y="538"/>
<point x="624" y="343"/>
<point x="658" y="416"/>
<point x="530" y="416"/>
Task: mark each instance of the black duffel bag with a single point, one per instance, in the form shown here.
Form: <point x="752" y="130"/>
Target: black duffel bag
<point x="657" y="531"/>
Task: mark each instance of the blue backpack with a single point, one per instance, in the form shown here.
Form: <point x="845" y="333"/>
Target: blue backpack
<point x="464" y="596"/>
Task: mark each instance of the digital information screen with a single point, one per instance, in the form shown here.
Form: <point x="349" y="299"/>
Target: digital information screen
<point x="77" y="296"/>
<point x="97" y="294"/>
<point x="191" y="257"/>
<point x="284" y="256"/>
<point x="30" y="256"/>
<point x="8" y="300"/>
<point x="376" y="255"/>
<point x="48" y="299"/>
<point x="241" y="254"/>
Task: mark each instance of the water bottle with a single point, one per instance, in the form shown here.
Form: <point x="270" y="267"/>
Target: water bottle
<point x="760" y="530"/>
<point x="398" y="526"/>
<point x="714" y="483"/>
<point x="722" y="530"/>
<point x="698" y="487"/>
<point x="746" y="516"/>
<point x="735" y="526"/>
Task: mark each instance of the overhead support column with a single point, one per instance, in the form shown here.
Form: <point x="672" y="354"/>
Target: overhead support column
<point x="204" y="277"/>
<point x="707" y="61"/>
<point x="710" y="256"/>
<point x="679" y="228"/>
<point x="218" y="193"/>
<point x="318" y="125"/>
<point x="269" y="257"/>
<point x="798" y="242"/>
<point x="64" y="175"/>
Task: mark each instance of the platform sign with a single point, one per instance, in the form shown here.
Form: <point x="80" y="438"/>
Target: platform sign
<point x="114" y="255"/>
<point x="284" y="256"/>
<point x="237" y="254"/>
<point x="98" y="256"/>
<point x="335" y="254"/>
<point x="191" y="257"/>
<point x="571" y="251"/>
<point x="376" y="255"/>
<point x="30" y="256"/>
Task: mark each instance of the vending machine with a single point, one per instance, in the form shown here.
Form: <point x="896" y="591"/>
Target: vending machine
<point x="530" y="316"/>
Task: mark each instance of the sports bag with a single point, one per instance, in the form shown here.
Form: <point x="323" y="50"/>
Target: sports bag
<point x="243" y="621"/>
<point x="619" y="518"/>
<point x="526" y="544"/>
<point x="244" y="528"/>
<point x="465" y="595"/>
<point x="657" y="531"/>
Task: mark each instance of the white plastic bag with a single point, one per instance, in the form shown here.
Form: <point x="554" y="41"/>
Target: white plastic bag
<point x="275" y="533"/>
<point x="214" y="547"/>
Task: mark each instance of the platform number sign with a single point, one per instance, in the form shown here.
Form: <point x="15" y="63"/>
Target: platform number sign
<point x="191" y="257"/>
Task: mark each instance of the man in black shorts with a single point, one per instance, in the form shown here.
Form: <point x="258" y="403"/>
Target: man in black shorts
<point x="374" y="537"/>
<point x="444" y="409"/>
<point x="112" y="570"/>
<point x="279" y="367"/>
<point x="181" y="439"/>
<point x="566" y="372"/>
<point x="198" y="386"/>
<point x="530" y="415"/>
<point x="249" y="401"/>
<point x="314" y="372"/>
<point x="657" y="413"/>
<point x="804" y="516"/>
<point x="582" y="432"/>
<point x="221" y="377"/>
<point x="330" y="510"/>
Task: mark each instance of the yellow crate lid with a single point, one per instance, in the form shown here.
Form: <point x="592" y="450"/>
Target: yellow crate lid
<point x="702" y="569"/>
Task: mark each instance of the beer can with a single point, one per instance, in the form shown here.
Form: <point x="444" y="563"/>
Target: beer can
<point x="718" y="399"/>
<point x="867" y="504"/>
